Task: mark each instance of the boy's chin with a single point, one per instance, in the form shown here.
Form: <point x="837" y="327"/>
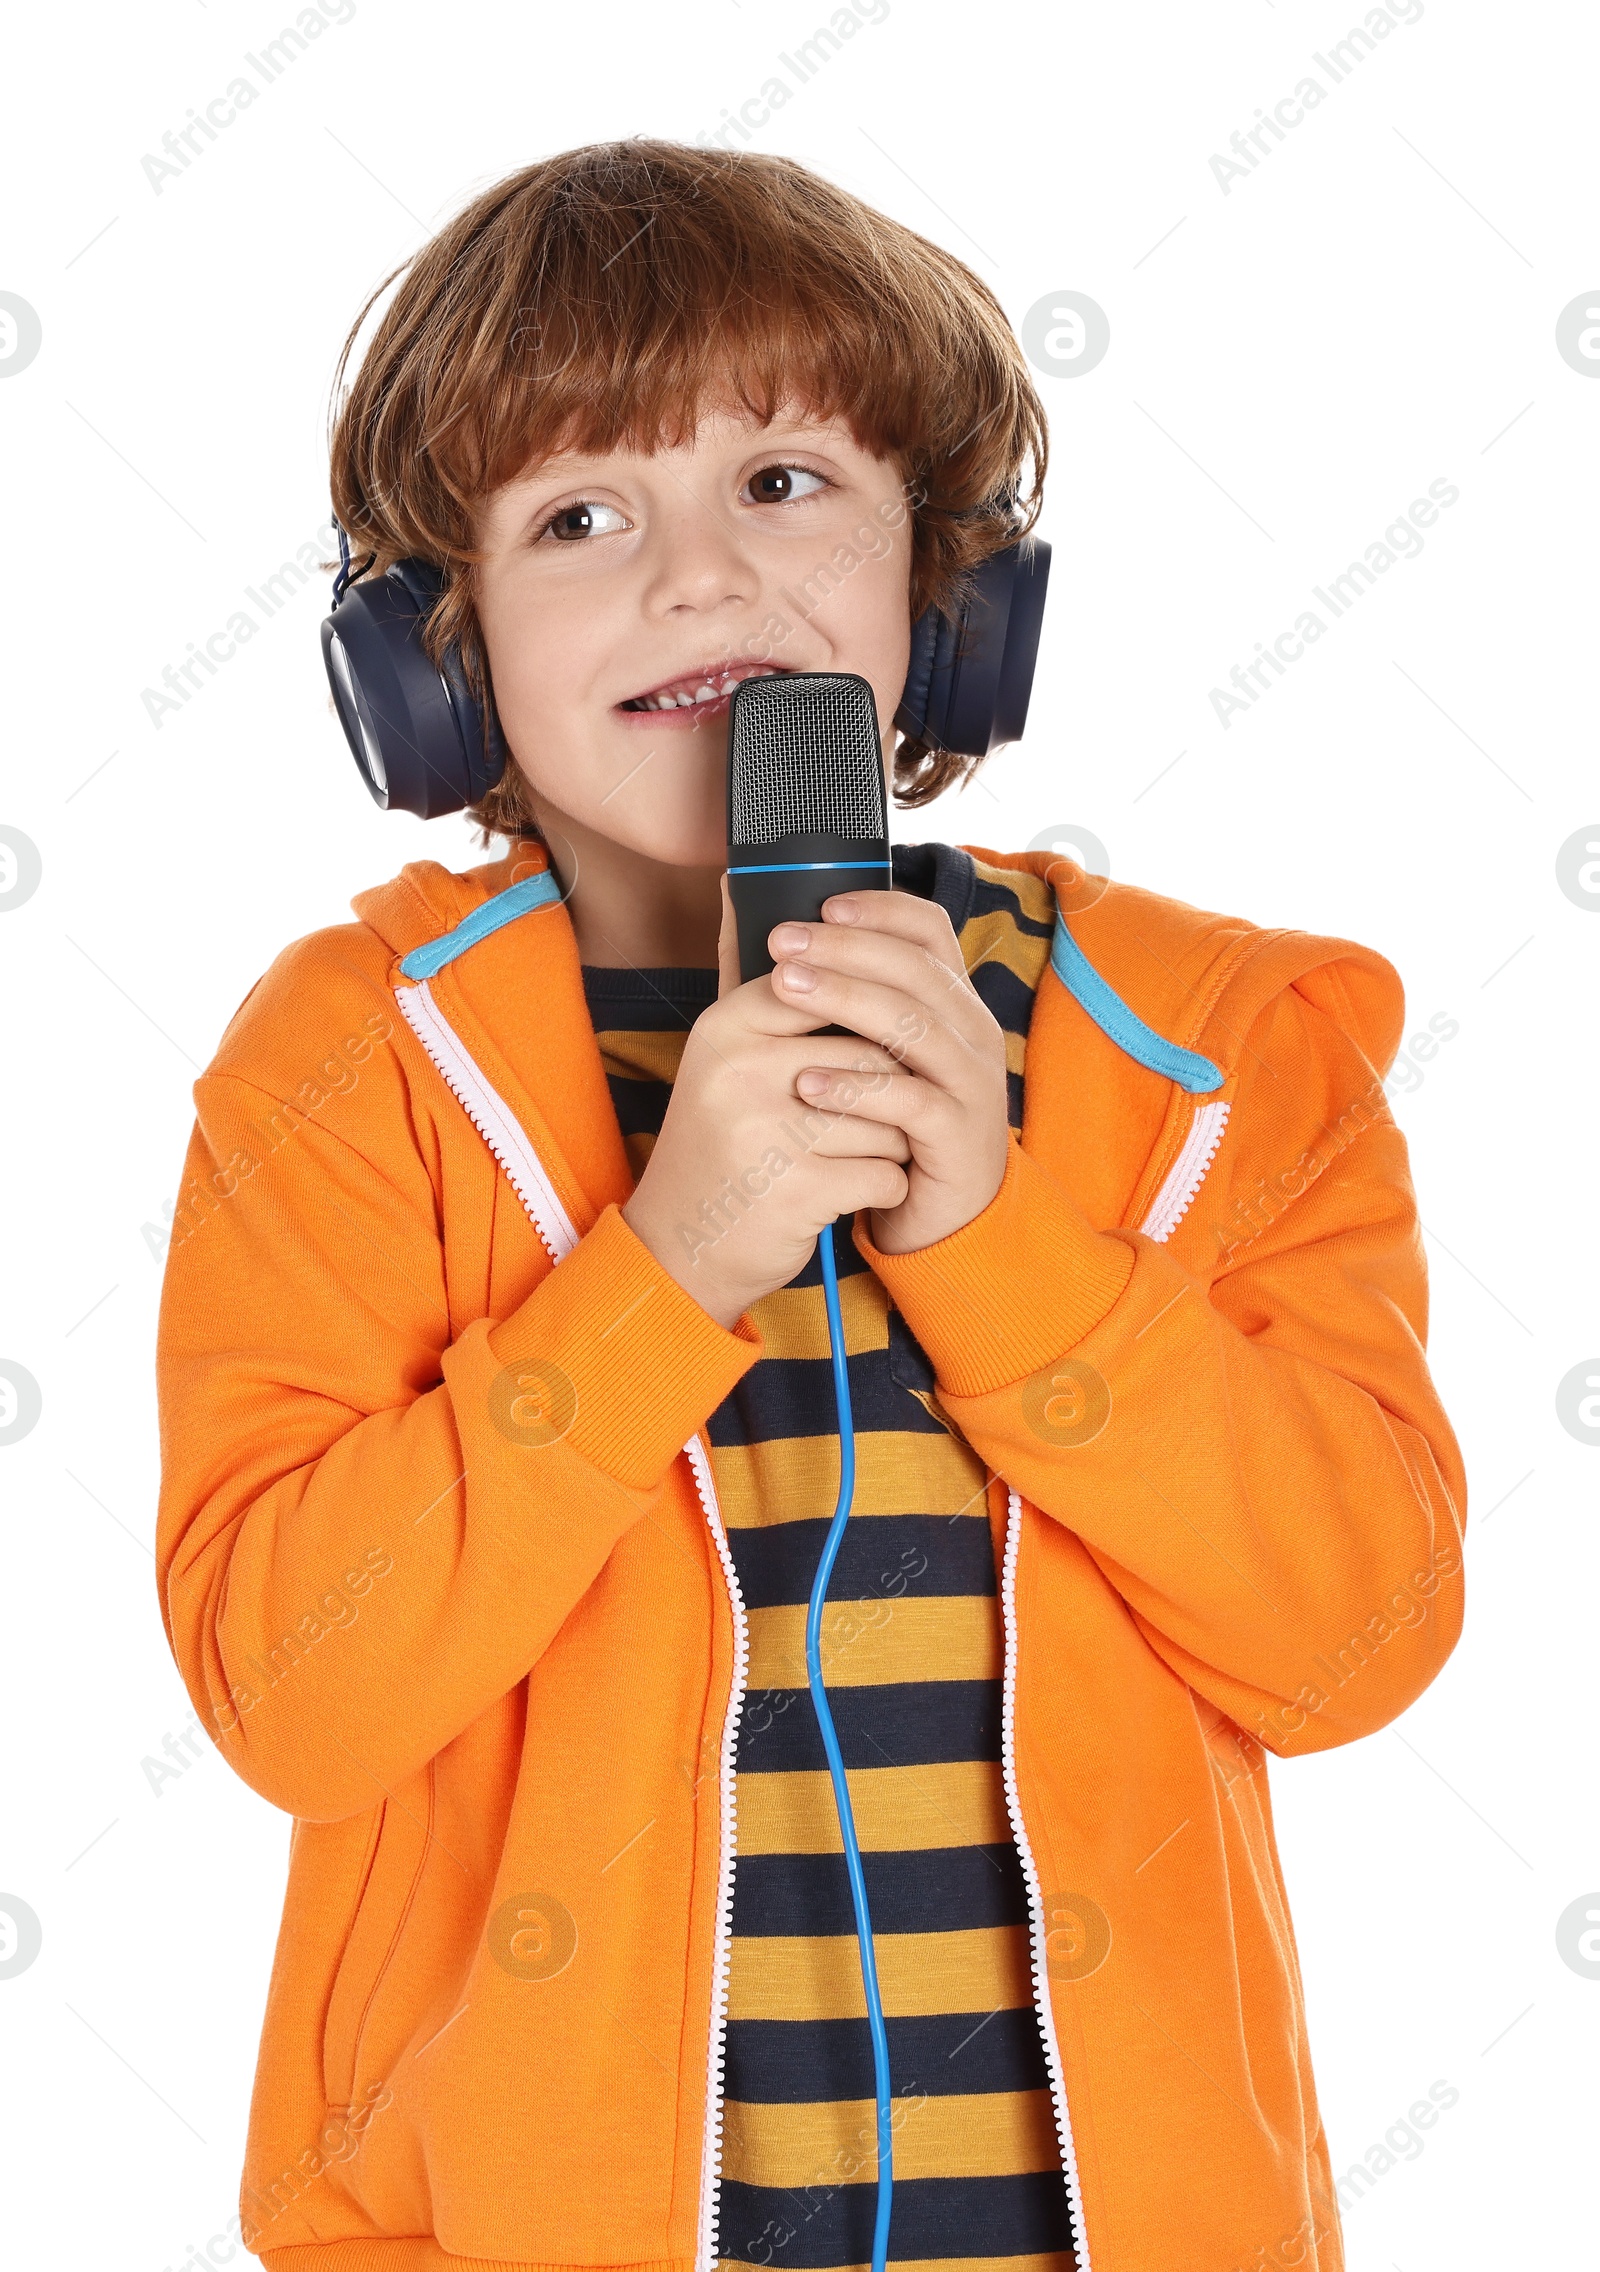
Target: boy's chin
<point x="670" y="846"/>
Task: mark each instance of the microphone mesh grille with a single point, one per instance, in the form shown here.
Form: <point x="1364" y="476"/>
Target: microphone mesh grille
<point x="804" y="759"/>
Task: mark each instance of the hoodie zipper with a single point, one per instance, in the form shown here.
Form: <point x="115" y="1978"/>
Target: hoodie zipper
<point x="1037" y="1942"/>
<point x="503" y="1134"/>
<point x="492" y="1117"/>
<point x="722" y="1952"/>
<point x="1188" y="1171"/>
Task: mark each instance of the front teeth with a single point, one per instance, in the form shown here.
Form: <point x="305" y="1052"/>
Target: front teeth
<point x="707" y="691"/>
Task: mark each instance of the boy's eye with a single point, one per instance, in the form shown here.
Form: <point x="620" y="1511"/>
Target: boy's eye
<point x="572" y="523"/>
<point x="780" y="484"/>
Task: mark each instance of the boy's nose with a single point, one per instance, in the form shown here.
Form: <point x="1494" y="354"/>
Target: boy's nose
<point x="701" y="563"/>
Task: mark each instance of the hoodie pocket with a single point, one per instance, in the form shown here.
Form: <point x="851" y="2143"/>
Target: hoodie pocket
<point x="391" y="1874"/>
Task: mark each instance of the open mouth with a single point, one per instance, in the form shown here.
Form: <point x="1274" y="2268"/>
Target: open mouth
<point x="700" y="694"/>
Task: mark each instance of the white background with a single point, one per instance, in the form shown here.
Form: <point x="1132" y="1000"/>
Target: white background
<point x="1291" y="363"/>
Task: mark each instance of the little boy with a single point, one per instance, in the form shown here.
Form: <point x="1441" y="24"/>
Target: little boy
<point x="498" y="1435"/>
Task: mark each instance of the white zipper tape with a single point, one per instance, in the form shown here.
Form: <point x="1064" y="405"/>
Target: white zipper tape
<point x="722" y="1952"/>
<point x="1037" y="1941"/>
<point x="1188" y="1171"/>
<point x="493" y="1118"/>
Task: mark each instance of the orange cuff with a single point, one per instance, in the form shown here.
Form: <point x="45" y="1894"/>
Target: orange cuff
<point x="1012" y="1290"/>
<point x="648" y="1364"/>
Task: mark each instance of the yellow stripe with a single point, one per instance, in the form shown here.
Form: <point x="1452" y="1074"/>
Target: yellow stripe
<point x="995" y="938"/>
<point x="986" y="2134"/>
<point x="1058" y="2260"/>
<point x="641" y="1055"/>
<point x="897" y="1472"/>
<point x="1032" y="894"/>
<point x="793" y="1320"/>
<point x="817" y="1976"/>
<point x="864" y="1644"/>
<point x="957" y="1802"/>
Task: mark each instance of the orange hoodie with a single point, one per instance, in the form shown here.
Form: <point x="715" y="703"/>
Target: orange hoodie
<point x="441" y="1564"/>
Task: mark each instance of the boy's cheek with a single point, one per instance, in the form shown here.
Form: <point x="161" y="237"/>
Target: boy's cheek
<point x="770" y="637"/>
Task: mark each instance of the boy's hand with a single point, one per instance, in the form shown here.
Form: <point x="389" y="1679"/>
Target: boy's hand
<point x="746" y="1171"/>
<point x="886" y="964"/>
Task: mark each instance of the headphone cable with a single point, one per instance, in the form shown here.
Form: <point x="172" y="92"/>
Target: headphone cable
<point x="830" y="1744"/>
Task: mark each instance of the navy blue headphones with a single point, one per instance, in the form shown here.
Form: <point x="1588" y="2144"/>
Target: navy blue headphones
<point x="425" y="745"/>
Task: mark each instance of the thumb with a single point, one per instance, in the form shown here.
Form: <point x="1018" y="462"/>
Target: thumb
<point x="727" y="946"/>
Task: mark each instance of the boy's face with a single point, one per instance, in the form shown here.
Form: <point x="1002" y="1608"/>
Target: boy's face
<point x="613" y="583"/>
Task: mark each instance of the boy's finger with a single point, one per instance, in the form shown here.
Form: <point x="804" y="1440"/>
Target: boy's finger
<point x="903" y="914"/>
<point x="847" y="1136"/>
<point x="914" y="1108"/>
<point x="943" y="986"/>
<point x="921" y="1040"/>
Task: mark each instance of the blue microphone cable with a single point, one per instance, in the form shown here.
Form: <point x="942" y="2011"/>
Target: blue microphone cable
<point x="830" y="1744"/>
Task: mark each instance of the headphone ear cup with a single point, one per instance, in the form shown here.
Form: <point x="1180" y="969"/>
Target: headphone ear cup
<point x="968" y="682"/>
<point x="932" y="637"/>
<point x="483" y="744"/>
<point x="420" y="740"/>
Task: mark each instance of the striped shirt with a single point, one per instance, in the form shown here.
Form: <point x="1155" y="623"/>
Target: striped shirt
<point x="912" y="1655"/>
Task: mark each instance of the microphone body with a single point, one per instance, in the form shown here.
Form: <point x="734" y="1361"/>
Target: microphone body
<point x="807" y="807"/>
<point x="790" y="881"/>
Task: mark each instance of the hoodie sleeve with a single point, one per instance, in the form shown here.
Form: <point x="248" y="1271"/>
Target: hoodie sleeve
<point x="368" y="1531"/>
<point x="1242" y="1432"/>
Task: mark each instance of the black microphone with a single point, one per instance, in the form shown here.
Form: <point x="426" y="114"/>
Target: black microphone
<point x="807" y="809"/>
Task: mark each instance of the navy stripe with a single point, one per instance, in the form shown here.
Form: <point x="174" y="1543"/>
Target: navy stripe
<point x="910" y="1723"/>
<point x="1004" y="899"/>
<point x="929" y="1889"/>
<point x="881" y="1558"/>
<point x="793" y="1396"/>
<point x="808" y="2062"/>
<point x="826" y="2223"/>
<point x="1007" y="998"/>
<point x="640" y="1106"/>
<point x="940" y="872"/>
<point x="655" y="1000"/>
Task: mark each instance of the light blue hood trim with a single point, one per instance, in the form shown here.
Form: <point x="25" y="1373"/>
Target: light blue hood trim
<point x="505" y="907"/>
<point x="1112" y="1015"/>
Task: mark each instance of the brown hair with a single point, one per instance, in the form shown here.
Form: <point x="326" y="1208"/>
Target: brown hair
<point x="595" y="300"/>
